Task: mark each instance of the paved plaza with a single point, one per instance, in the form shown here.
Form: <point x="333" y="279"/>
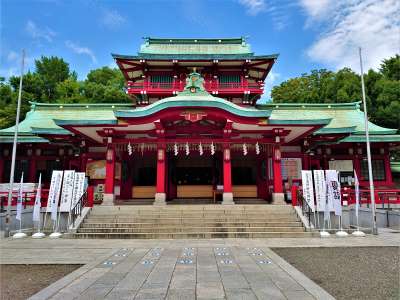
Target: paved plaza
<point x="178" y="269"/>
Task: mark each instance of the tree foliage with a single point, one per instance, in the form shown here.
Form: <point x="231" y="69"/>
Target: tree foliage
<point x="322" y="86"/>
<point x="52" y="81"/>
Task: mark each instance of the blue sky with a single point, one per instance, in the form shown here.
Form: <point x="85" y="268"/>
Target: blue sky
<point x="308" y="34"/>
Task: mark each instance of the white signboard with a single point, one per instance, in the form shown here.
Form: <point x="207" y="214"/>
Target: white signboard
<point x="320" y="189"/>
<point x="67" y="191"/>
<point x="333" y="187"/>
<point x="79" y="187"/>
<point x="308" y="189"/>
<point x="54" y="193"/>
<point x="341" y="165"/>
<point x="291" y="168"/>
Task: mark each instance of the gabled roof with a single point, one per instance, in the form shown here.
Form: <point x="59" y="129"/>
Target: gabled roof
<point x="346" y="117"/>
<point x="40" y="119"/>
<point x="194" y="46"/>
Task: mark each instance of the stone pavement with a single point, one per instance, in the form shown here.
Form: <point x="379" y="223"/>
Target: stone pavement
<point x="186" y="273"/>
<point x="178" y="269"/>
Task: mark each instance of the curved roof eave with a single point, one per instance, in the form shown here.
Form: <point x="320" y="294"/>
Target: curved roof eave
<point x="187" y="102"/>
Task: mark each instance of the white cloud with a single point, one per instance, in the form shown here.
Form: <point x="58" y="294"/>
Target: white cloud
<point x="253" y="7"/>
<point x="39" y="33"/>
<point x="349" y="24"/>
<point x="112" y="18"/>
<point x="269" y="84"/>
<point x="12" y="56"/>
<point x="81" y="50"/>
<point x="317" y="8"/>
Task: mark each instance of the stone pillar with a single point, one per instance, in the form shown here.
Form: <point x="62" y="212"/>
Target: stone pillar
<point x="109" y="197"/>
<point x="277" y="195"/>
<point x="160" y="195"/>
<point x="227" y="196"/>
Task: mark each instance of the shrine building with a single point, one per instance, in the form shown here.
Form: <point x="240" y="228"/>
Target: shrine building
<point x="195" y="130"/>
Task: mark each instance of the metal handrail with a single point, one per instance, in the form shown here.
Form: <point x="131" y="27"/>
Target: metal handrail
<point x="305" y="207"/>
<point x="76" y="211"/>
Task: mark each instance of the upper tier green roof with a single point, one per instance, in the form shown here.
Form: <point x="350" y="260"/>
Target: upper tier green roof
<point x="195" y="46"/>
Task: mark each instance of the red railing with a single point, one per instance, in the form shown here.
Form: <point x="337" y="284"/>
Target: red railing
<point x="28" y="198"/>
<point x="382" y="196"/>
<point x="209" y="85"/>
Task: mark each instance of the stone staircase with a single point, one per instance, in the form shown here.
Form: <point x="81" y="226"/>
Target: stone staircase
<point x="192" y="221"/>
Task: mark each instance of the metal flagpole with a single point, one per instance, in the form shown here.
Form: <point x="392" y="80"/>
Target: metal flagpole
<point x="371" y="180"/>
<point x="14" y="150"/>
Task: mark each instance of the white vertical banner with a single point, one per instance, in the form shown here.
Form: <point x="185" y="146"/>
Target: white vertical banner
<point x="79" y="187"/>
<point x="320" y="189"/>
<point x="333" y="187"/>
<point x="19" y="200"/>
<point x="36" y="208"/>
<point x="54" y="194"/>
<point x="308" y="189"/>
<point x="67" y="190"/>
<point x="357" y="192"/>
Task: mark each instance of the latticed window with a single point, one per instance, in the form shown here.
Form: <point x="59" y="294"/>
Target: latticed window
<point x="229" y="78"/>
<point x="378" y="169"/>
<point x="161" y="81"/>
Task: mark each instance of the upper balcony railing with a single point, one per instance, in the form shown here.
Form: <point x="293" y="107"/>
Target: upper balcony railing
<point x="212" y="86"/>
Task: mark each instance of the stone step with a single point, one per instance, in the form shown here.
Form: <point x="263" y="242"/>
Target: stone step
<point x="194" y="208"/>
<point x="194" y="235"/>
<point x="165" y="221"/>
<point x="90" y="224"/>
<point x="192" y="213"/>
<point x="190" y="229"/>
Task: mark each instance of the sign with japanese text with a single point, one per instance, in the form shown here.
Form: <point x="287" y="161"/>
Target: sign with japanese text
<point x="308" y="189"/>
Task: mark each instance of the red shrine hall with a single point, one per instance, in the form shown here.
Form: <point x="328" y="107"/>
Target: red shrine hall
<point x="195" y="129"/>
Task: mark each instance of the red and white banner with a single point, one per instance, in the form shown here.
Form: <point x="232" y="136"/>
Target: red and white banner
<point x="79" y="187"/>
<point x="308" y="189"/>
<point x="38" y="204"/>
<point x="333" y="186"/>
<point x="54" y="194"/>
<point x="67" y="191"/>
<point x="19" y="200"/>
<point x="320" y="189"/>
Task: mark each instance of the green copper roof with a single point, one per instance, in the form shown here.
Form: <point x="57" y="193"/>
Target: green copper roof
<point x="344" y="116"/>
<point x="194" y="57"/>
<point x="40" y="119"/>
<point x="195" y="46"/>
<point x="192" y="101"/>
<point x="373" y="138"/>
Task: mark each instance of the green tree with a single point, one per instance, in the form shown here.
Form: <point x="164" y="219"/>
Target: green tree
<point x="69" y="91"/>
<point x="390" y="68"/>
<point x="51" y="70"/>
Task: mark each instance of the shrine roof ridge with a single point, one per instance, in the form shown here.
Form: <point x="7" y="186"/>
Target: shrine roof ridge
<point x="195" y="56"/>
<point x="300" y="105"/>
<point x="232" y="40"/>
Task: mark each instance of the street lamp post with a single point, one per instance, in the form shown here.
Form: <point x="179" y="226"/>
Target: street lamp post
<point x="14" y="150"/>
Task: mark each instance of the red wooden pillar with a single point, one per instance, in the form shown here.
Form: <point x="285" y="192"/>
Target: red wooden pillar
<point x="1" y="168"/>
<point x="160" y="195"/>
<point x="227" y="196"/>
<point x="108" y="198"/>
<point x="277" y="195"/>
<point x="388" y="171"/>
<point x="32" y="171"/>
